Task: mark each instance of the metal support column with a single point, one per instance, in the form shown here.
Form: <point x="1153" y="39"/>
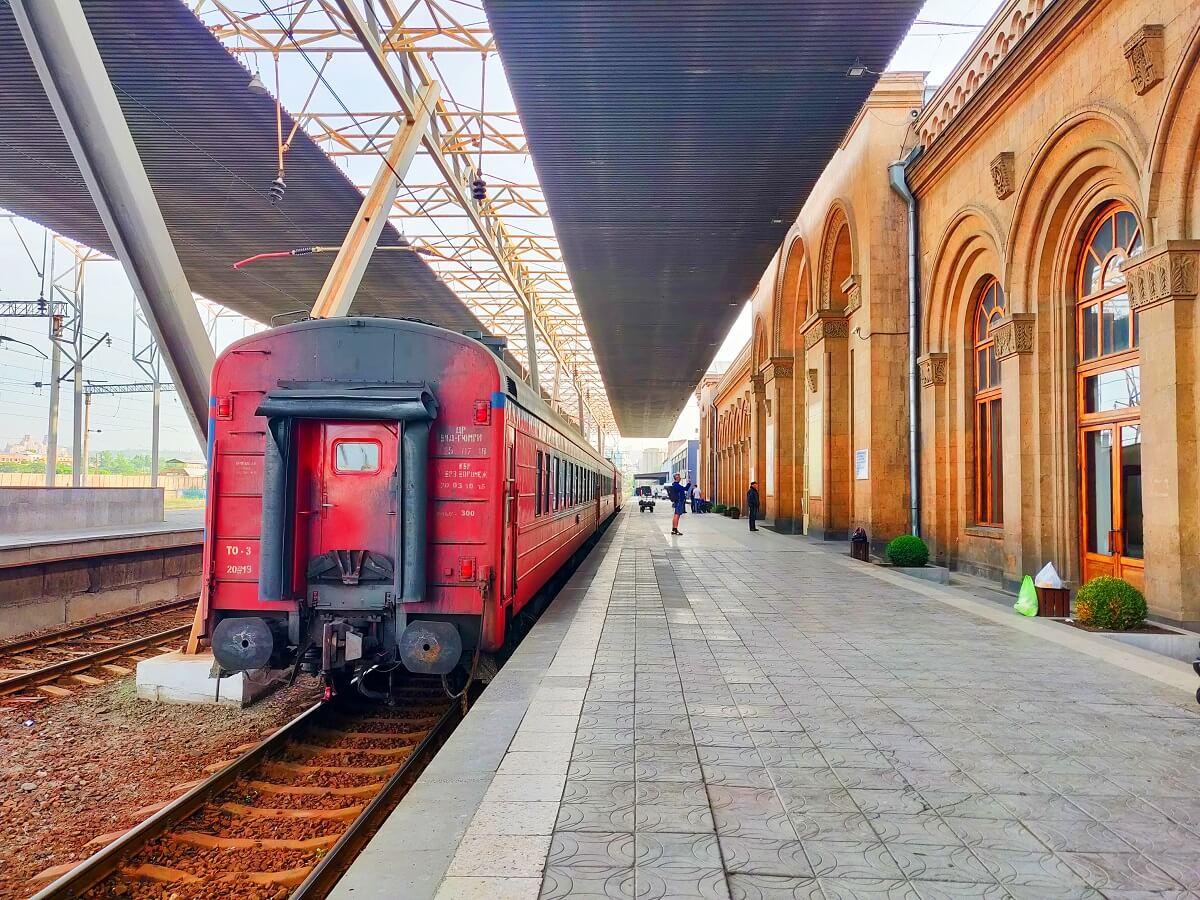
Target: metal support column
<point x="557" y="380"/>
<point x="55" y="393"/>
<point x="77" y="84"/>
<point x="155" y="424"/>
<point x="531" y="349"/>
<point x="341" y="284"/>
<point x="78" y="443"/>
<point x="87" y="430"/>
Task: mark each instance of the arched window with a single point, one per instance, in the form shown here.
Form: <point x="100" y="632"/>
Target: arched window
<point x="1106" y="325"/>
<point x="1109" y="400"/>
<point x="989" y="450"/>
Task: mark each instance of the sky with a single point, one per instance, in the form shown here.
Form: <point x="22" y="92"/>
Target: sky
<point x="123" y="422"/>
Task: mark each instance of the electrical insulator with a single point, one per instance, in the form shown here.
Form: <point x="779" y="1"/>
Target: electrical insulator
<point x="278" y="186"/>
<point x="479" y="189"/>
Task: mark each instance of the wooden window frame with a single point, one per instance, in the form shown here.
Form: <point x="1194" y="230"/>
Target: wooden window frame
<point x="987" y="406"/>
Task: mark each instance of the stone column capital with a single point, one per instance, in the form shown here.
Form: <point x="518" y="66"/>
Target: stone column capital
<point x="825" y="324"/>
<point x="1164" y="273"/>
<point x="777" y="367"/>
<point x="932" y="367"/>
<point x="1013" y="335"/>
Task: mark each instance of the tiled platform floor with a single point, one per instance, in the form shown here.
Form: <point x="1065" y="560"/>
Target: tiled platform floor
<point x="755" y="716"/>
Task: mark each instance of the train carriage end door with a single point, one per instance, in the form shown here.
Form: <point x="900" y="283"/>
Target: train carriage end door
<point x="511" y="495"/>
<point x="351" y="507"/>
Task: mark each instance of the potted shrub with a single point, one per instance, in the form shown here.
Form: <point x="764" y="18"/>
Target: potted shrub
<point x="719" y="508"/>
<point x="1109" y="603"/>
<point x="734" y="512"/>
<point x="907" y="552"/>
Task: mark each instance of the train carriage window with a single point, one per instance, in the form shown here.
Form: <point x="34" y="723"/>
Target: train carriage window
<point x="356" y="457"/>
<point x="537" y="487"/>
<point x="557" y="482"/>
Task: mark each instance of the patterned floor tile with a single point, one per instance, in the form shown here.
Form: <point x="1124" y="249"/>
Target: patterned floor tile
<point x="562" y="882"/>
<point x="851" y="860"/>
<point x="772" y="887"/>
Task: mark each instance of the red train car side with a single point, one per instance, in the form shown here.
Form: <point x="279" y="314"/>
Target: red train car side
<point x="383" y="491"/>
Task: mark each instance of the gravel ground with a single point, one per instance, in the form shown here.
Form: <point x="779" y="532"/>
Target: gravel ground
<point x="83" y="767"/>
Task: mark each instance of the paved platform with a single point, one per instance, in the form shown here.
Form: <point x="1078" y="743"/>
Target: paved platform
<point x="727" y="715"/>
<point x="181" y="528"/>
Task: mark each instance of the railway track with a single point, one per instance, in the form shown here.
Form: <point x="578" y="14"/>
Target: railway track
<point x="56" y="664"/>
<point x="284" y="818"/>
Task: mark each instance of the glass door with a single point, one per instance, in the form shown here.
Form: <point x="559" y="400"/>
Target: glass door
<point x="1112" y="501"/>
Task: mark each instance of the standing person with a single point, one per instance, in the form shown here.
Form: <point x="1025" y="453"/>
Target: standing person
<point x="752" y="505"/>
<point x="697" y="500"/>
<point x="678" y="494"/>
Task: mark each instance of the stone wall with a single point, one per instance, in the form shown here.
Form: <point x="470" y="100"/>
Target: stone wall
<point x="58" y="593"/>
<point x="43" y="509"/>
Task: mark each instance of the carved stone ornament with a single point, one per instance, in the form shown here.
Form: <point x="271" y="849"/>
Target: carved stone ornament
<point x="778" y="367"/>
<point x="1164" y="273"/>
<point x="825" y="328"/>
<point x="1013" y="335"/>
<point x="1004" y="178"/>
<point x="932" y="367"/>
<point x="1144" y="54"/>
<point x="812" y="381"/>
<point x="757" y="385"/>
<point x="853" y="291"/>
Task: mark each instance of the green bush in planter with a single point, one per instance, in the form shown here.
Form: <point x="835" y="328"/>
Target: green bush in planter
<point x="1112" y="603"/>
<point x="907" y="551"/>
<point x="734" y="512"/>
<point x="719" y="508"/>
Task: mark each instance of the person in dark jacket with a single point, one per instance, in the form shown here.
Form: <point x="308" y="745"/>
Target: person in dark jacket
<point x="752" y="505"/>
<point x="678" y="494"/>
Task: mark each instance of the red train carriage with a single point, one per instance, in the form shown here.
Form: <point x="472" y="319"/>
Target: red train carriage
<point x="383" y="491"/>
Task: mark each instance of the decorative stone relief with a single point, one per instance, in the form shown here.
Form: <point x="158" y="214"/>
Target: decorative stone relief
<point x="812" y="381"/>
<point x="1013" y="335"/>
<point x="757" y="385"/>
<point x="853" y="292"/>
<point x="1170" y="271"/>
<point x="932" y="367"/>
<point x="1011" y="21"/>
<point x="1004" y="179"/>
<point x="778" y="367"/>
<point x="1144" y="54"/>
<point x="825" y="328"/>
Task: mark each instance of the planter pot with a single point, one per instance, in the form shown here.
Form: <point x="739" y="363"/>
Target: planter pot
<point x="735" y="514"/>
<point x="936" y="574"/>
<point x="1176" y="644"/>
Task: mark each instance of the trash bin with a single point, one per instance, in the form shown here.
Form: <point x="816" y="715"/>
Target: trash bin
<point x="1054" y="603"/>
<point x="860" y="546"/>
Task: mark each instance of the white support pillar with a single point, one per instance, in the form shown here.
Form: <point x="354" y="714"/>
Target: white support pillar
<point x="341" y="284"/>
<point x="85" y="104"/>
<point x="531" y="349"/>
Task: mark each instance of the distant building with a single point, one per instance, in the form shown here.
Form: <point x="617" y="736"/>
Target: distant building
<point x="652" y="460"/>
<point x="181" y="467"/>
<point x="682" y="459"/>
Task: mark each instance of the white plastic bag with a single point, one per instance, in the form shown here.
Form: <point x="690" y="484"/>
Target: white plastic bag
<point x="1048" y="577"/>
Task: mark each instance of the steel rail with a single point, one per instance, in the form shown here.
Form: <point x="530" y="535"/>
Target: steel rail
<point x="107" y="861"/>
<point x="95" y="626"/>
<point x="332" y="866"/>
<point x="35" y="677"/>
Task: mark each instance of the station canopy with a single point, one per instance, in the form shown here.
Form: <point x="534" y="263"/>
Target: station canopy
<point x="676" y="142"/>
<point x="210" y="150"/>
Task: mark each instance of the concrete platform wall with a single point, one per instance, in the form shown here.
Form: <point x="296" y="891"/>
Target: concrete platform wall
<point x="58" y="593"/>
<point x="38" y="509"/>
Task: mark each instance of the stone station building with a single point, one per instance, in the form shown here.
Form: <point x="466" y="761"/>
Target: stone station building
<point x="1058" y="245"/>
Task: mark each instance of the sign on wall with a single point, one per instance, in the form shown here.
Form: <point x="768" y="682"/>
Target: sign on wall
<point x="861" y="465"/>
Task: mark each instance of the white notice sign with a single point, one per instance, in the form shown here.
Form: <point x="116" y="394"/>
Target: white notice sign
<point x="861" y="466"/>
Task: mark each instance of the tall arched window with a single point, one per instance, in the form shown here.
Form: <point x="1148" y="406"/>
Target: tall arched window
<point x="1109" y="400"/>
<point x="989" y="455"/>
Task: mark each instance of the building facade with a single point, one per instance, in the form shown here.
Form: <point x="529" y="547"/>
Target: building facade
<point x="682" y="459"/>
<point x="1058" y="191"/>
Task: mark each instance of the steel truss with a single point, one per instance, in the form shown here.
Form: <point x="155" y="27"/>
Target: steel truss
<point x="500" y="255"/>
